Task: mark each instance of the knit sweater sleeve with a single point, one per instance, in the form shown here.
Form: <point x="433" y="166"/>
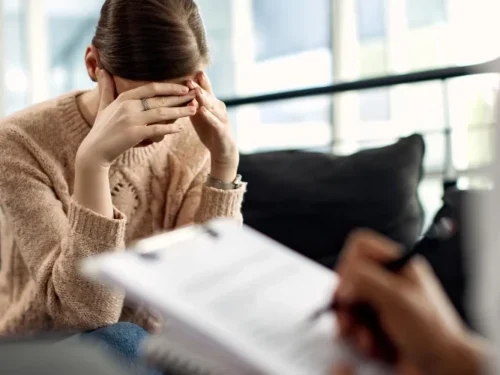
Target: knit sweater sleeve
<point x="53" y="236"/>
<point x="202" y="203"/>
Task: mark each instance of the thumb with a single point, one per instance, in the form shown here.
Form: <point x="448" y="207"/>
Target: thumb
<point x="106" y="89"/>
<point x="212" y="120"/>
<point x="205" y="82"/>
<point x="369" y="282"/>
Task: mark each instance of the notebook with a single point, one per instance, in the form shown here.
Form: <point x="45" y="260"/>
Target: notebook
<point x="236" y="302"/>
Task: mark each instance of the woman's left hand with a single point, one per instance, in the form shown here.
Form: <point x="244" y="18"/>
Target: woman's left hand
<point x="211" y="123"/>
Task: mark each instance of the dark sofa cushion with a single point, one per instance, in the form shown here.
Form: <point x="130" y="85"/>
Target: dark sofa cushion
<point x="311" y="201"/>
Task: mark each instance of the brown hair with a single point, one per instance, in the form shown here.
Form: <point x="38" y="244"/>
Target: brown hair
<point x="151" y="40"/>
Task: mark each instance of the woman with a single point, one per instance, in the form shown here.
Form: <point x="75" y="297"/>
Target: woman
<point x="423" y="329"/>
<point x="148" y="150"/>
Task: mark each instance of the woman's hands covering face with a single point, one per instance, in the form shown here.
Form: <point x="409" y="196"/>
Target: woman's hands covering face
<point x="123" y="122"/>
<point x="211" y="123"/>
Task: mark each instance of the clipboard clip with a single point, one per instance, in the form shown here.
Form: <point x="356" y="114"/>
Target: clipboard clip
<point x="150" y="248"/>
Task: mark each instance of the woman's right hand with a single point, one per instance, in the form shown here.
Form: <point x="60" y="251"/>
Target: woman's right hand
<point x="122" y="123"/>
<point x="413" y="311"/>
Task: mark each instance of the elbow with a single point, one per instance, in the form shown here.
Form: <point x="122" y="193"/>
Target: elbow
<point x="73" y="302"/>
<point x="83" y="312"/>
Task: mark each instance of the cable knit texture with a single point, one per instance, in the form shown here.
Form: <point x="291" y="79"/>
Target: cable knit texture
<point x="45" y="233"/>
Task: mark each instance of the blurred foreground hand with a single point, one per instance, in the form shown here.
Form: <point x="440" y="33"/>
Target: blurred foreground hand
<point x="413" y="311"/>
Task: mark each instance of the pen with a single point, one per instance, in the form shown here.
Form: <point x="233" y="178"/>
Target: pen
<point x="441" y="230"/>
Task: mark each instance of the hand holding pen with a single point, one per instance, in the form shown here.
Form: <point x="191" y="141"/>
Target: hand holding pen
<point x="419" y="326"/>
<point x="438" y="232"/>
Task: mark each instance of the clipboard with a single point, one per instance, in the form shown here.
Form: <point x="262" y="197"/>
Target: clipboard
<point x="236" y="301"/>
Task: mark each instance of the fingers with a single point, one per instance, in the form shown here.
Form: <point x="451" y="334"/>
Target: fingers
<point x="206" y="98"/>
<point x="420" y="271"/>
<point x="370" y="283"/>
<point x="194" y="104"/>
<point x="211" y="119"/>
<point x="205" y="82"/>
<point x="155" y="131"/>
<point x="171" y="101"/>
<point x="159" y="115"/>
<point x="155" y="89"/>
<point x="214" y="105"/>
<point x="369" y="244"/>
<point x="363" y="277"/>
<point x="106" y="89"/>
<point x="203" y="97"/>
<point x="164" y="101"/>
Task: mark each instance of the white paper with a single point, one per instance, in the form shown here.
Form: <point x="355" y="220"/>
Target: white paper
<point x="252" y="295"/>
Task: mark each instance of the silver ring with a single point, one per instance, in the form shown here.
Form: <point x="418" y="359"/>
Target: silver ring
<point x="145" y="104"/>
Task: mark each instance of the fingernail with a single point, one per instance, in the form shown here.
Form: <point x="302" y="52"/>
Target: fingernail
<point x="185" y="89"/>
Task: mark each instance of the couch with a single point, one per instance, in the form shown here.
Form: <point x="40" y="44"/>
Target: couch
<point x="311" y="201"/>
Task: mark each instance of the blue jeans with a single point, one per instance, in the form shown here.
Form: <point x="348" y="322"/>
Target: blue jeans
<point x="124" y="340"/>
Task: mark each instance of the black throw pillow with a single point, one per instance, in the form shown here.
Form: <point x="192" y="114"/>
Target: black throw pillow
<point x="311" y="201"/>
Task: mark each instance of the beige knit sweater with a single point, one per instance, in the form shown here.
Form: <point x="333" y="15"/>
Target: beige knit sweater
<point x="44" y="233"/>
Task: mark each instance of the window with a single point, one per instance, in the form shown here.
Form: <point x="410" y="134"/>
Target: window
<point x="472" y="117"/>
<point x="374" y="105"/>
<point x="422" y="13"/>
<point x="371" y="19"/>
<point x="230" y="40"/>
<point x="292" y="124"/>
<point x="263" y="46"/>
<point x="284" y="29"/>
<point x="393" y="37"/>
<point x="16" y="77"/>
<point x="71" y="27"/>
<point x="67" y="63"/>
<point x="305" y="110"/>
